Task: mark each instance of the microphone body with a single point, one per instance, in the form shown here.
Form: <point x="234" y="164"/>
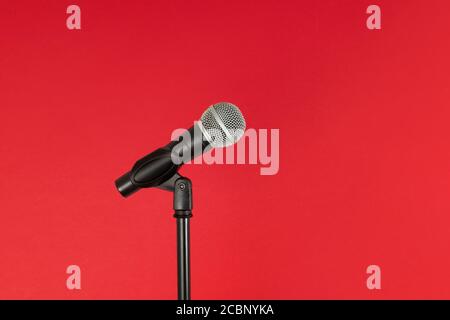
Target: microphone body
<point x="163" y="163"/>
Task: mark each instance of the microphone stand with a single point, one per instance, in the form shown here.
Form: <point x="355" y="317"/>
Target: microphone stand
<point x="182" y="205"/>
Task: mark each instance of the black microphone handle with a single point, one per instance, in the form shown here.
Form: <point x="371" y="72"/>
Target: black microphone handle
<point x="159" y="166"/>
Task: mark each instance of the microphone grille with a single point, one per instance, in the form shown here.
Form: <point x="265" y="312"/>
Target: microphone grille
<point x="222" y="124"/>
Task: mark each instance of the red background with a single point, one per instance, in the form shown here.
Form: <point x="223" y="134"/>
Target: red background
<point x="364" y="134"/>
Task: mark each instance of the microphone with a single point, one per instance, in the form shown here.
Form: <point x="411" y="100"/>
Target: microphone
<point x="221" y="125"/>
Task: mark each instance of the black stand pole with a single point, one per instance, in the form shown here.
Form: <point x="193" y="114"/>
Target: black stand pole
<point x="183" y="259"/>
<point x="182" y="204"/>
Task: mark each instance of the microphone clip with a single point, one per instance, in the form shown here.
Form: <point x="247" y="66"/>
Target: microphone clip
<point x="182" y="195"/>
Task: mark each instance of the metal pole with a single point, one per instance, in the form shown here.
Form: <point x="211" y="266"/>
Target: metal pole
<point x="183" y="248"/>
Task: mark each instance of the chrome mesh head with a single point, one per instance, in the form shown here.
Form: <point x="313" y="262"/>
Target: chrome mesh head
<point x="222" y="124"/>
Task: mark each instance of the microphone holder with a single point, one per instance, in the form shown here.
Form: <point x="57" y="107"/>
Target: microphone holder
<point x="182" y="206"/>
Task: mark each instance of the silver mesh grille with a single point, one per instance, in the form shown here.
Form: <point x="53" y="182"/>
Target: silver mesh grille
<point x="222" y="124"/>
